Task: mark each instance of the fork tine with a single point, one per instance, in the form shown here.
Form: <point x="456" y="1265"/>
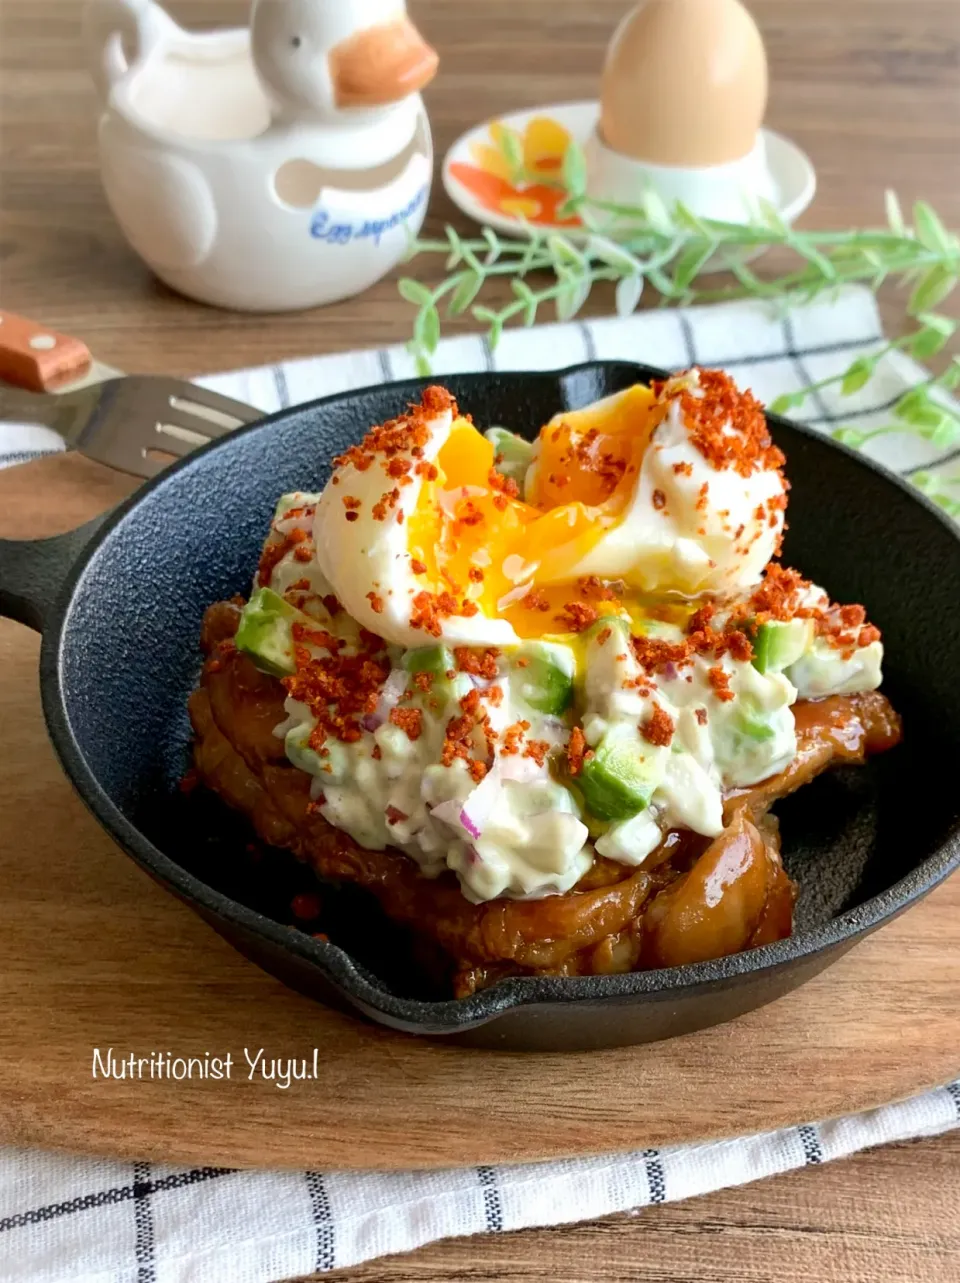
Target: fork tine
<point x="214" y="402"/>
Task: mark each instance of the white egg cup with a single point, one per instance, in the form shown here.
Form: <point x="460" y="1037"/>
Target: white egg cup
<point x="729" y="193"/>
<point x="230" y="164"/>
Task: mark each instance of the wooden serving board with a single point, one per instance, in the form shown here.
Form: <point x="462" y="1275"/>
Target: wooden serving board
<point x="93" y="954"/>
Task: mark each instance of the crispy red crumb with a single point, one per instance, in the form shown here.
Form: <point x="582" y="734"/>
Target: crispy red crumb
<point x="712" y="410"/>
<point x="719" y="679"/>
<point x="592" y="588"/>
<point x="331" y="604"/>
<point x="604" y="636"/>
<point x="351" y="502"/>
<point x="576" y="616"/>
<point x="475" y="575"/>
<point x="376" y="602"/>
<point x="477" y="770"/>
<point x="376" y="753"/>
<point x="658" y="727"/>
<point x="576" y="749"/>
<point x="683" y="469"/>
<point x="512" y="737"/>
<point x="418" y="567"/>
<point x="701" y="715"/>
<point x="410" y="721"/>
<point x="537" y="750"/>
<point x="535" y="600"/>
<point x="482" y="663"/>
<point x="659" y="499"/>
<point x="395" y="815"/>
<point x="352" y="516"/>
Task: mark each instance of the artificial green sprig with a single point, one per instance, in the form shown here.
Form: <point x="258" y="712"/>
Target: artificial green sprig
<point x="633" y="246"/>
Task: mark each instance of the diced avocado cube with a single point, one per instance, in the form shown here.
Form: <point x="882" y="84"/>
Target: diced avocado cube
<point x="266" y="632"/>
<point x="617" y="782"/>
<point x="777" y="645"/>
<point x="751" y="722"/>
<point x="428" y="659"/>
<point x="545" y="676"/>
<point x="332" y="765"/>
<point x="513" y="454"/>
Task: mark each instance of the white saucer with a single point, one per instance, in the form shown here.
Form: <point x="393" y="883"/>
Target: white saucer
<point x="478" y="191"/>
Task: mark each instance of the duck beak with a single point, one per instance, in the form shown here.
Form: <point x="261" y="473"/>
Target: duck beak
<point x="381" y="65"/>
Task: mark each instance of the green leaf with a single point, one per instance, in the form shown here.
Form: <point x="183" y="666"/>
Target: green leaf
<point x="858" y="375"/>
<point x="573" y="172"/>
<point x="571" y="298"/>
<point x="690" y="261"/>
<point x="628" y="292"/>
<point x="911" y="403"/>
<point x="788" y="401"/>
<point x="470" y="286"/>
<point x="926" y="342"/>
<point x="950" y="378"/>
<point x="851" y="437"/>
<point x="933" y="288"/>
<point x="494" y="243"/>
<point x="564" y="253"/>
<point x="607" y="251"/>
<point x="657" y="214"/>
<point x="931" y="233"/>
<point x="456" y="249"/>
<point x="493" y="321"/>
<point x="414" y="292"/>
<point x="894" y="212"/>
<point x="526" y="296"/>
<point x="947" y="432"/>
<point x="685" y="217"/>
<point x="426" y="329"/>
<point x="424" y="368"/>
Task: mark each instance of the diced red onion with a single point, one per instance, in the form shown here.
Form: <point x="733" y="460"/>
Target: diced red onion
<point x="390" y="693"/>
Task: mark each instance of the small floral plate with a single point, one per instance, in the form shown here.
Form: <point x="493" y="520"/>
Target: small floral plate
<point x="506" y="172"/>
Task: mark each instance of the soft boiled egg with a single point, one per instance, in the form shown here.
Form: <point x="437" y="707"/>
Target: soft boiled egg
<point x="670" y="490"/>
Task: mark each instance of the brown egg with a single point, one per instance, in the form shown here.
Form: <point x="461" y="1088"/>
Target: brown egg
<point x="685" y="83"/>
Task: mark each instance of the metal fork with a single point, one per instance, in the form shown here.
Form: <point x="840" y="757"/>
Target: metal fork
<point x="136" y="423"/>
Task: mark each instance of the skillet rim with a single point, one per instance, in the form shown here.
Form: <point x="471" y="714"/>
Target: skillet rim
<point x="338" y="967"/>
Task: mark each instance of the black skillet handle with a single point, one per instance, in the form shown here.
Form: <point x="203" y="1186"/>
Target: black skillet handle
<point x="32" y="572"/>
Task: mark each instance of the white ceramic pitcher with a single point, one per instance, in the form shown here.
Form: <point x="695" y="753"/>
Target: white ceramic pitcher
<point x="271" y="168"/>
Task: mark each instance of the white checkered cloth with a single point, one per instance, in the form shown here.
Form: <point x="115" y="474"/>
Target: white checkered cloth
<point x="81" y="1220"/>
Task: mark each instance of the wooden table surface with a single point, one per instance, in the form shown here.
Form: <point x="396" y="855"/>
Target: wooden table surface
<point x="871" y="89"/>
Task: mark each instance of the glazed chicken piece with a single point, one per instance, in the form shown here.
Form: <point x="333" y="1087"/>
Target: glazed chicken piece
<point x="693" y="899"/>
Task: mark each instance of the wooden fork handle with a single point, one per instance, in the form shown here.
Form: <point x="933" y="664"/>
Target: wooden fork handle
<point x="37" y="358"/>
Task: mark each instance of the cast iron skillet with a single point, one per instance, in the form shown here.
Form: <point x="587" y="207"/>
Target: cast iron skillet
<point x="120" y="601"/>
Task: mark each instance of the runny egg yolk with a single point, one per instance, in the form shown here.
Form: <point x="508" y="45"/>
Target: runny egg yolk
<point x="469" y="535"/>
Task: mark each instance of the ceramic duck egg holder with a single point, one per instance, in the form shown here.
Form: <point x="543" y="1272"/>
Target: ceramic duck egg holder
<point x="271" y="168"/>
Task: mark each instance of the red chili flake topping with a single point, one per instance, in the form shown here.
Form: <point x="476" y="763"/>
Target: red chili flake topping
<point x="376" y="602"/>
<point x="481" y="663"/>
<point x="576" y="616"/>
<point x="535" y="600"/>
<point x="719" y="679"/>
<point x="658" y="727"/>
<point x="503" y="485"/>
<point x="701" y="715"/>
<point x="338" y="689"/>
<point x="395" y="815"/>
<point x="512" y="738"/>
<point x="576" y="751"/>
<point x="410" y="721"/>
<point x="592" y="588"/>
<point x="716" y="407"/>
<point x="659" y="499"/>
<point x="418" y="567"/>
